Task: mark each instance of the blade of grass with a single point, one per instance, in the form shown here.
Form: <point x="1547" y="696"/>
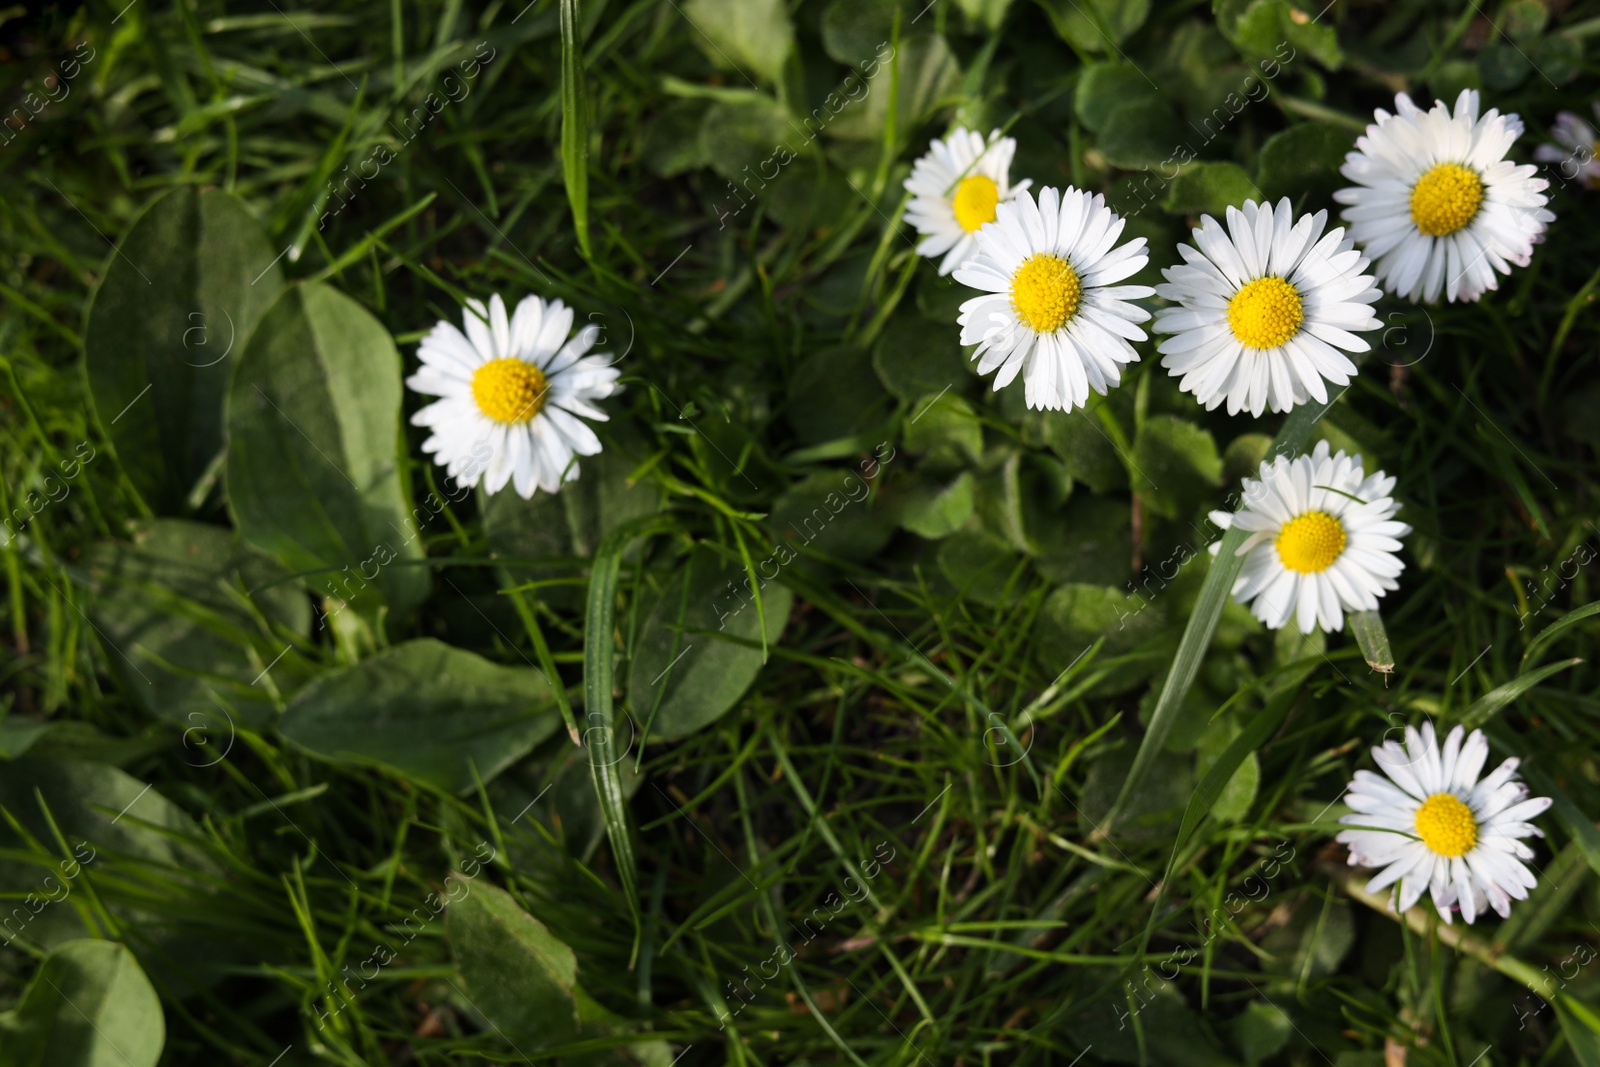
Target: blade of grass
<point x="1422" y="919"/>
<point x="574" y="123"/>
<point x="770" y="913"/>
<point x="1537" y="646"/>
<point x="1216" y="779"/>
<point x="1485" y="707"/>
<point x="547" y="662"/>
<point x="598" y="646"/>
<point x="1208" y="610"/>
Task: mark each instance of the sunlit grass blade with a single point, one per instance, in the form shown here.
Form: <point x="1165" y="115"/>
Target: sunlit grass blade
<point x="574" y="122"/>
<point x="1485" y="707"/>
<point x="1216" y="779"/>
<point x="1537" y="646"/>
<point x="1208" y="610"/>
<point x="599" y="737"/>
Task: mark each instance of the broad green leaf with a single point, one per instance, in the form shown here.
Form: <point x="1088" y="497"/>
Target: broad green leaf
<point x="934" y="511"/>
<point x="1314" y="941"/>
<point x="1019" y="500"/>
<point x="1205" y="63"/>
<point x="188" y="611"/>
<point x="686" y="674"/>
<point x="916" y="358"/>
<point x="88" y="1005"/>
<point x="1209" y="189"/>
<point x="946" y="425"/>
<point x="1485" y="707"/>
<point x="750" y="37"/>
<point x="1303" y="163"/>
<point x="1503" y="67"/>
<point x="1222" y="770"/>
<point x="426" y="711"/>
<point x="1142" y="133"/>
<point x="180" y="299"/>
<point x="1558" y="56"/>
<point x="939" y="299"/>
<point x="1277" y="29"/>
<point x="1104" y="87"/>
<point x="855" y="401"/>
<point x="1092" y="543"/>
<point x="672" y="142"/>
<point x="929" y="77"/>
<point x="602" y="498"/>
<point x="1096" y="25"/>
<point x="18" y="735"/>
<point x="1146" y="1004"/>
<point x="1232" y="802"/>
<point x="1153" y="815"/>
<point x="1086" y="451"/>
<point x="987" y="13"/>
<point x="75" y="739"/>
<point x="1260" y="1031"/>
<point x="521" y="976"/>
<point x="1077" y="615"/>
<point x="1242" y="458"/>
<point x="96" y="803"/>
<point x="834" y="513"/>
<point x="1525" y="20"/>
<point x="811" y="195"/>
<point x="535" y="529"/>
<point x="749" y="142"/>
<point x="102" y="813"/>
<point x="857" y="30"/>
<point x="1181" y="463"/>
<point x="313" y="429"/>
<point x="979" y="565"/>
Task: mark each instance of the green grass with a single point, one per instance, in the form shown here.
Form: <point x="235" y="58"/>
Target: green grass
<point x="861" y="829"/>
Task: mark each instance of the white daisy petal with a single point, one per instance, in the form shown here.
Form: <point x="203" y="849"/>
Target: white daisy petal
<point x="513" y="391"/>
<point x="1264" y="307"/>
<point x="1314" y="555"/>
<point x="1437" y="829"/>
<point x="1435" y="203"/>
<point x="1050" y="311"/>
<point x="957" y="188"/>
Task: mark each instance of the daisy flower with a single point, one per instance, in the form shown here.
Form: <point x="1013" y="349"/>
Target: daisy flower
<point x="1437" y="205"/>
<point x="1432" y="825"/>
<point x="512" y="391"/>
<point x="1579" y="146"/>
<point x="1267" y="305"/>
<point x="1050" y="310"/>
<point x="1322" y="540"/>
<point x="955" y="189"/>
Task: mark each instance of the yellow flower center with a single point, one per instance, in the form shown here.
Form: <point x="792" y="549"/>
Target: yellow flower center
<point x="1265" y="313"/>
<point x="975" y="201"/>
<point x="1445" y="199"/>
<point x="1446" y="825"/>
<point x="1045" y="292"/>
<point x="509" y="390"/>
<point x="1309" y="543"/>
